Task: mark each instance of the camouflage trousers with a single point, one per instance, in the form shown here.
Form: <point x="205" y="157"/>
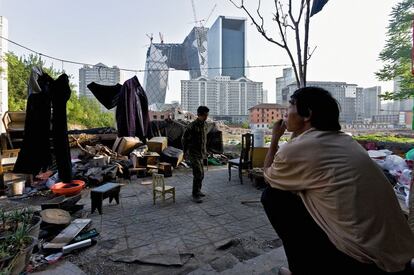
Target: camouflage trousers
<point x="198" y="173"/>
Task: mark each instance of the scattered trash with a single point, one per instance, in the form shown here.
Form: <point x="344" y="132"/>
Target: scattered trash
<point x="71" y="247"/>
<point x="53" y="258"/>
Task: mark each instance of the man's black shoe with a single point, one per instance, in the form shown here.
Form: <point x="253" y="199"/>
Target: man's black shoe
<point x="197" y="199"/>
<point x="201" y="194"/>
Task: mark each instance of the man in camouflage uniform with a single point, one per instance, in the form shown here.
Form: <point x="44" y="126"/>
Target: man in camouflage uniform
<point x="194" y="143"/>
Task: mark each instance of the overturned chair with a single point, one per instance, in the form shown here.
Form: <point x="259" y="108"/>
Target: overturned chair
<point x="246" y="156"/>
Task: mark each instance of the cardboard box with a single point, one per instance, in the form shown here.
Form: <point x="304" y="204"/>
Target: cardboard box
<point x="125" y="145"/>
<point x="157" y="144"/>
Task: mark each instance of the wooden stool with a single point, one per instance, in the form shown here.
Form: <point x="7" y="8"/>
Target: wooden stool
<point x="165" y="169"/>
<point x="141" y="172"/>
<point x="108" y="190"/>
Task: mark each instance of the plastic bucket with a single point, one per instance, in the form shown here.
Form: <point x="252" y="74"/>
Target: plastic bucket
<point x="17" y="187"/>
<point x="259" y="138"/>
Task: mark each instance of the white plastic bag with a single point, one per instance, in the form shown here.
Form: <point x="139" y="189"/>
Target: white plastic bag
<point x="394" y="162"/>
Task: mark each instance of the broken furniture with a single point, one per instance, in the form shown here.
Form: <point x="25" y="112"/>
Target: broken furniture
<point x="157" y="144"/>
<point x="164" y="168"/>
<point x="140" y="172"/>
<point x="246" y="156"/>
<point x="67" y="203"/>
<point x="172" y="155"/>
<point x="159" y="187"/>
<point x="125" y="145"/>
<point x="108" y="190"/>
<point x="14" y="125"/>
<point x="148" y="158"/>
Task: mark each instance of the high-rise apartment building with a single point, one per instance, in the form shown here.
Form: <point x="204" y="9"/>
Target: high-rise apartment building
<point x="281" y="82"/>
<point x="4" y="29"/>
<point x="227" y="47"/>
<point x="372" y="101"/>
<point x="226" y="98"/>
<point x="345" y="94"/>
<point x="99" y="73"/>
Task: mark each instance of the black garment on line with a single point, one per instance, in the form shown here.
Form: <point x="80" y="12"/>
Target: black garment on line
<point x="308" y="249"/>
<point x="132" y="116"/>
<point x="60" y="94"/>
<point x="107" y="95"/>
<point x="35" y="154"/>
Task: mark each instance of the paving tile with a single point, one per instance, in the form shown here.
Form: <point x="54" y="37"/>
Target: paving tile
<point x="110" y="246"/>
<point x="195" y="239"/>
<point x="217" y="233"/>
<point x="234" y="228"/>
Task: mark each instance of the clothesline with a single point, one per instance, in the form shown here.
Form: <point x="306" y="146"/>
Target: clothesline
<point x="134" y="70"/>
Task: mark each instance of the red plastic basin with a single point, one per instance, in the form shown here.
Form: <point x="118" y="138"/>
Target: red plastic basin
<point x="68" y="189"/>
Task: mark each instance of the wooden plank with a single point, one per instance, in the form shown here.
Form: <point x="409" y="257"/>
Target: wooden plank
<point x="67" y="235"/>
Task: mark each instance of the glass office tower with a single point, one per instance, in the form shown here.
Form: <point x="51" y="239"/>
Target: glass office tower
<point x="227" y="48"/>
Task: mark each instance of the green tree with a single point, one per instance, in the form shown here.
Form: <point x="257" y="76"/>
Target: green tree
<point x="245" y="125"/>
<point x="82" y="112"/>
<point x="396" y="54"/>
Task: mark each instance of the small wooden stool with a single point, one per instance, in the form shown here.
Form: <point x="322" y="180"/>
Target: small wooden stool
<point x="165" y="169"/>
<point x="108" y="190"/>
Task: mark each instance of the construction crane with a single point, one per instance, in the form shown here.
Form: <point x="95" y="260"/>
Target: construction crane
<point x="150" y="36"/>
<point x="201" y="22"/>
<point x="195" y="14"/>
<point x="161" y="38"/>
<point x="209" y="15"/>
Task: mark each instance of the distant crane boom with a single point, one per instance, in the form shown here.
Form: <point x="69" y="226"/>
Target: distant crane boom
<point x="209" y="15"/>
<point x="194" y="12"/>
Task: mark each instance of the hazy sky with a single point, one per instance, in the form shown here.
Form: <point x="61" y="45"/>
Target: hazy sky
<point x="349" y="34"/>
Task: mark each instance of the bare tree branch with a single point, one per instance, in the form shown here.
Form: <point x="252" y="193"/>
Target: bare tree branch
<point x="258" y="27"/>
<point x="306" y="42"/>
<point x="279" y="9"/>
<point x="285" y="22"/>
<point x="311" y="53"/>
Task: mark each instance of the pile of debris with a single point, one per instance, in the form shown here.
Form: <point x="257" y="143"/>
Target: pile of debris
<point x="397" y="168"/>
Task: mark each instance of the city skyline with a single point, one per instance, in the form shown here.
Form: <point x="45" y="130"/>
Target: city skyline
<point x="347" y="50"/>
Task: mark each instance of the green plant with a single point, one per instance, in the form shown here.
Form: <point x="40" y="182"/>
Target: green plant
<point x="20" y="238"/>
<point x="3" y="217"/>
<point x="384" y="138"/>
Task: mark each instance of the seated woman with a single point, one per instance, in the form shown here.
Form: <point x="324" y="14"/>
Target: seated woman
<point x="331" y="205"/>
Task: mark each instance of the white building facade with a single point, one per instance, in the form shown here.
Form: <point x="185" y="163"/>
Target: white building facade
<point x="223" y="96"/>
<point x="4" y="95"/>
<point x="99" y="73"/>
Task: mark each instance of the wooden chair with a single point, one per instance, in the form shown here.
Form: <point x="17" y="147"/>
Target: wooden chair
<point x="159" y="187"/>
<point x="246" y="155"/>
<point x="13" y="123"/>
<point x="12" y="153"/>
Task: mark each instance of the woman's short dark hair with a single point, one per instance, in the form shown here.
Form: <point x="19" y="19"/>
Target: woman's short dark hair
<point x="202" y="110"/>
<point x="323" y="106"/>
